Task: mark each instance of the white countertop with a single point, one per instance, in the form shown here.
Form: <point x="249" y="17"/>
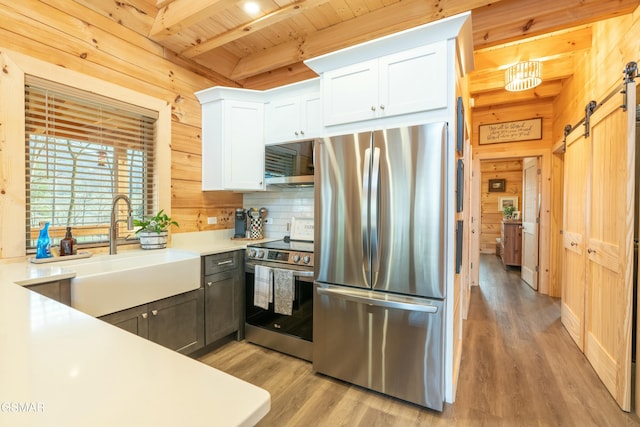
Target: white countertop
<point x="25" y="273"/>
<point x="203" y="243"/>
<point x="211" y="242"/>
<point x="59" y="366"/>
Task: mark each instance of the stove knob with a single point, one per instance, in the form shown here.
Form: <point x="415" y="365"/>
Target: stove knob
<point x="252" y="253"/>
<point x="260" y="254"/>
<point x="296" y="258"/>
<point x="306" y="259"/>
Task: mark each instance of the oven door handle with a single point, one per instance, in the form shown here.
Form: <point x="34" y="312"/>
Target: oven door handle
<point x="297" y="273"/>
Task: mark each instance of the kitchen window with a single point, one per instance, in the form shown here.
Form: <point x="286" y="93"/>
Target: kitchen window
<point x="82" y="149"/>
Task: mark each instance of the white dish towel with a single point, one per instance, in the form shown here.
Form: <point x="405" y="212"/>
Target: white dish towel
<point x="262" y="289"/>
<point x="283" y="291"/>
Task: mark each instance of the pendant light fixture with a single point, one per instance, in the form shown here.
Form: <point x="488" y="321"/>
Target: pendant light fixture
<point x="523" y="76"/>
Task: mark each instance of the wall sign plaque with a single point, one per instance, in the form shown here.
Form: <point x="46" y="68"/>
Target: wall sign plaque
<point x="519" y="130"/>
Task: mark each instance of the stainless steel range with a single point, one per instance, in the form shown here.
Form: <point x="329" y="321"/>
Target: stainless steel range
<point x="266" y="323"/>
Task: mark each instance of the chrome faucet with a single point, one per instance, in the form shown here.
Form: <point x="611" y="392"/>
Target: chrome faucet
<point x="113" y="227"/>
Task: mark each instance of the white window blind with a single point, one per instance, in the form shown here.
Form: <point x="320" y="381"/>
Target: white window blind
<point x="82" y="149"/>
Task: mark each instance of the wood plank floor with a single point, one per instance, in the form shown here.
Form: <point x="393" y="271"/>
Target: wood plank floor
<point x="519" y="368"/>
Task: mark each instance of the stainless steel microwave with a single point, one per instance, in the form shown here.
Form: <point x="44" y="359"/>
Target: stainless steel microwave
<point x="289" y="164"/>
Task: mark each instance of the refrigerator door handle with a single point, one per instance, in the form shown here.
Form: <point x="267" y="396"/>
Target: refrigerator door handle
<point x="364" y="209"/>
<point x="375" y="210"/>
<point x="388" y="302"/>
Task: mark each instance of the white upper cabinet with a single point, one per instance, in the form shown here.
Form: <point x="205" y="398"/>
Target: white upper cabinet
<point x="232" y="139"/>
<point x="293" y="112"/>
<point x="406" y="82"/>
<point x="293" y="119"/>
<point x="401" y="79"/>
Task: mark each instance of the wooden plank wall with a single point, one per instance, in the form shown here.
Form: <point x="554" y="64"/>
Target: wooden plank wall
<point x="71" y="35"/>
<point x="597" y="73"/>
<point x="511" y="171"/>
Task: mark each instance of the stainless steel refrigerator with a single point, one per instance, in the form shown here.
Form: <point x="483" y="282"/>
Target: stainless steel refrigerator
<point x="380" y="210"/>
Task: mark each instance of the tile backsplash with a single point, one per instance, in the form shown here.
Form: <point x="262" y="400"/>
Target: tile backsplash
<point x="282" y="205"/>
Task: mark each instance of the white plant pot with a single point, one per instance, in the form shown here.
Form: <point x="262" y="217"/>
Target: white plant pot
<point x="153" y="240"/>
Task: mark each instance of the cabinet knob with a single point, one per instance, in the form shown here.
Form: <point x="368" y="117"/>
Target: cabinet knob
<point x="382" y="107"/>
<point x="296" y="133"/>
<point x="591" y="251"/>
<point x="574" y="244"/>
<point x="154" y="312"/>
<point x="373" y="108"/>
<point x="301" y="132"/>
<point x="145" y="315"/>
<point x="209" y="283"/>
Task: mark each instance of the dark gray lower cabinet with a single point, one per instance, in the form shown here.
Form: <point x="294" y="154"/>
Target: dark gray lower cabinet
<point x="223" y="295"/>
<point x="59" y="290"/>
<point x="189" y="321"/>
<point x="134" y="320"/>
<point x="221" y="316"/>
<point x="175" y="322"/>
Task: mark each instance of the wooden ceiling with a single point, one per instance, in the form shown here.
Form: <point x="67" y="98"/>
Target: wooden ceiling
<point x="218" y="38"/>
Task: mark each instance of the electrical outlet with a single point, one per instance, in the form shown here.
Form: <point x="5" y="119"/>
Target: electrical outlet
<point x="212" y="220"/>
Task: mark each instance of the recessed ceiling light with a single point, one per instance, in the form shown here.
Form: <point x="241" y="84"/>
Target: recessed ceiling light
<point x="251" y="7"/>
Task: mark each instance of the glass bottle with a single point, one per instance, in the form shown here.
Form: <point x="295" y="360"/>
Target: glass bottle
<point x="43" y="247"/>
<point x="66" y="244"/>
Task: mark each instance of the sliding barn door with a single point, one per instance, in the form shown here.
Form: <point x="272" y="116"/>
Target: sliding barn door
<point x="609" y="293"/>
<point x="576" y="179"/>
<point x="530" y="215"/>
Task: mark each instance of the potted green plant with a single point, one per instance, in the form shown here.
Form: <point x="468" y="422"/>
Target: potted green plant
<point x="154" y="230"/>
<point x="508" y="211"/>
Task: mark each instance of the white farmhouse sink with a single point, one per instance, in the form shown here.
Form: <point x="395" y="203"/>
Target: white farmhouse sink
<point x="109" y="283"/>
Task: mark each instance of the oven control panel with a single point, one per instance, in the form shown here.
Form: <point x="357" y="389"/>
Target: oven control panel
<point x="286" y="257"/>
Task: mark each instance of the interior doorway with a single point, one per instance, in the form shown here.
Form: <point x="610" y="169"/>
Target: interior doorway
<point x="513" y="237"/>
<point x="487" y="218"/>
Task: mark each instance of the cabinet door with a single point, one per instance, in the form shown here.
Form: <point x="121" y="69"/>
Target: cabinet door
<point x="177" y="322"/>
<point x="222" y="306"/>
<point x="243" y="146"/>
<point x="212" y="146"/>
<point x="350" y="94"/>
<point x="134" y="320"/>
<point x="311" y="116"/>
<point x="414" y="80"/>
<point x="283" y="120"/>
<point x="59" y="290"/>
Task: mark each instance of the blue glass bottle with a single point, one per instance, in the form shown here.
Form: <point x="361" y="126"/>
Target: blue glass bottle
<point x="43" y="248"/>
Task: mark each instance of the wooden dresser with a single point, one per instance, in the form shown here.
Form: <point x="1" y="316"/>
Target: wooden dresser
<point x="511" y="243"/>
